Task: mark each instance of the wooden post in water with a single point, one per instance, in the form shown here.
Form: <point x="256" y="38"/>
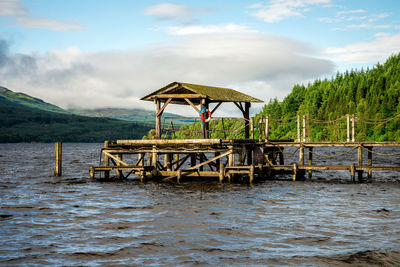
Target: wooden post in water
<point x="231" y="161"/>
<point x="352" y="172"/>
<point x="106" y="160"/>
<point x="58" y="166"/>
<point x="348" y="127"/>
<point x="178" y="176"/>
<point x="119" y="172"/>
<point x="168" y="157"/>
<point x="251" y="174"/>
<point x="154" y="160"/>
<point x="221" y="172"/>
<point x="217" y="162"/>
<point x="201" y="155"/>
<point x="298" y="129"/>
<point x="301" y="155"/>
<point x="300" y="173"/>
<point x="266" y="127"/>
<point x="369" y="162"/>
<point x="360" y="163"/>
<point x="353" y="126"/>
<point x="176" y="159"/>
<point x="295" y="170"/>
<point x="141" y="163"/>
<point x="193" y="160"/>
<point x="241" y="156"/>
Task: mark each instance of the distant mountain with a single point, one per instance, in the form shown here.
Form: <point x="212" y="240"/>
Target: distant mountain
<point x="10" y="98"/>
<point x="24" y="118"/>
<point x="121" y="114"/>
<point x="134" y="115"/>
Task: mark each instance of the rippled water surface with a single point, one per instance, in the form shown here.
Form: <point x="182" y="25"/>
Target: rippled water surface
<point x="75" y="221"/>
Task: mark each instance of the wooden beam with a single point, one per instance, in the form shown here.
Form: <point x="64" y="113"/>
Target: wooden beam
<point x="197" y="96"/>
<point x="163" y="107"/>
<point x="215" y="108"/>
<point x="200" y="164"/>
<point x="190" y="103"/>
<point x="170" y="142"/>
<point x="115" y="158"/>
<point x="239" y="106"/>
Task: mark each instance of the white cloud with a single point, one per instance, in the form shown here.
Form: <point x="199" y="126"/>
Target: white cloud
<point x="166" y="9"/>
<point x="53" y="25"/>
<point x="356" y="18"/>
<point x="354" y="11"/>
<point x="14" y="8"/>
<point x="174" y="12"/>
<point x="205" y="29"/>
<point x="261" y="65"/>
<point x="366" y="21"/>
<point x="366" y="52"/>
<point x="370" y="26"/>
<point x="278" y="10"/>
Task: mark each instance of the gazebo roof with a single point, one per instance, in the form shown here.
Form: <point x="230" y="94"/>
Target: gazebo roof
<point x="178" y="91"/>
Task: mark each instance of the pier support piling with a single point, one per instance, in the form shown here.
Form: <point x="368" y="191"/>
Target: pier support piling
<point x="119" y="172"/>
<point x="106" y="160"/>
<point x="58" y="166"/>
<point x="360" y="163"/>
<point x="369" y="162"/>
<point x="352" y="172"/>
<point x="310" y="158"/>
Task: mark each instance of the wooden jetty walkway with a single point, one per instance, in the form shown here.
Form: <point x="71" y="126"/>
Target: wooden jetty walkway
<point x="228" y="159"/>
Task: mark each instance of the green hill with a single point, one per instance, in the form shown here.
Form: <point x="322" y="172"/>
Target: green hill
<point x="137" y="115"/>
<point x="27" y="119"/>
<point x="10" y="98"/>
<point x="373" y="95"/>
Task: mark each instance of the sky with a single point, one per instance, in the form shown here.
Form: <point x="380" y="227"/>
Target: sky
<point x="101" y="53"/>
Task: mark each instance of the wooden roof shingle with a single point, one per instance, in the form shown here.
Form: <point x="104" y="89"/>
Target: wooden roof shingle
<point x="211" y="93"/>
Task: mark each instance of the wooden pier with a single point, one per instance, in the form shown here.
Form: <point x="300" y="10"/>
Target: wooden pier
<point x="247" y="159"/>
<point x="173" y="160"/>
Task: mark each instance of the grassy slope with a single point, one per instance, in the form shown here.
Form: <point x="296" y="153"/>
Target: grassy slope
<point x="10" y="98"/>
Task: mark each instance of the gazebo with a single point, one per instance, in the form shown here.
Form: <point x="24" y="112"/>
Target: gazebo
<point x="202" y="96"/>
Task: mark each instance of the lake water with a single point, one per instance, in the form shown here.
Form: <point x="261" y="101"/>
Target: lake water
<point x="75" y="221"/>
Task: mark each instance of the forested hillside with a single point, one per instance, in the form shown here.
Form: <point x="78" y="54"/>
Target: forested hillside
<point x="24" y="118"/>
<point x="372" y="95"/>
<point x="19" y="124"/>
